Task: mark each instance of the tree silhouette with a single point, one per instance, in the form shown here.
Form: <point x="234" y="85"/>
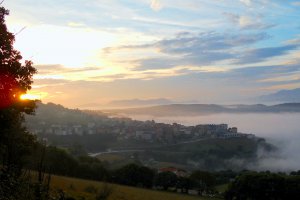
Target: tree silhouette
<point x="165" y="180"/>
<point x="15" y="141"/>
<point x="264" y="185"/>
<point x="15" y="77"/>
<point x="204" y="181"/>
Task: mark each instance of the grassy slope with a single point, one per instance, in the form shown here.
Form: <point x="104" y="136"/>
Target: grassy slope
<point x="222" y="188"/>
<point x="76" y="188"/>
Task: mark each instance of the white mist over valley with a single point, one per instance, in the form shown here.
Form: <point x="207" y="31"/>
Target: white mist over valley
<point x="280" y="129"/>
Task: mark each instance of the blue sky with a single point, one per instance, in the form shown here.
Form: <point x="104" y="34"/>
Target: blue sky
<point x="206" y="51"/>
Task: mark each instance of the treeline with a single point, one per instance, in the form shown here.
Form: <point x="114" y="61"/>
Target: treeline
<point x="53" y="160"/>
<point x="264" y="185"/>
<point x="241" y="185"/>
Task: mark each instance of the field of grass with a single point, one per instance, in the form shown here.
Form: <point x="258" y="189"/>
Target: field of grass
<point x="85" y="189"/>
<point x="110" y="158"/>
<point x="222" y="188"/>
<point x="117" y="160"/>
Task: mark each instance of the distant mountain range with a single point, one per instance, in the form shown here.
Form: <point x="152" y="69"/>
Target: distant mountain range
<point x="126" y="103"/>
<point x="290" y="96"/>
<point x="282" y="96"/>
<point x="205" y="109"/>
<point x="139" y="102"/>
<point x="132" y="103"/>
<point x="56" y="113"/>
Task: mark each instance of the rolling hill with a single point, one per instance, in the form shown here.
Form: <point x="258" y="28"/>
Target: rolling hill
<point x="282" y="96"/>
<point x="205" y="109"/>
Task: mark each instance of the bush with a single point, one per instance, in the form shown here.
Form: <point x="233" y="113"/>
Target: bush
<point x="104" y="192"/>
<point x="91" y="189"/>
<point x="253" y="185"/>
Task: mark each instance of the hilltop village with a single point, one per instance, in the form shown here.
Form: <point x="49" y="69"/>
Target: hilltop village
<point x="128" y="129"/>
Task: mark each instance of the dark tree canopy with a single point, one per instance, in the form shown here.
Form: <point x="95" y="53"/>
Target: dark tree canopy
<point x="134" y="175"/>
<point x="166" y="180"/>
<point x="15" y="141"/>
<point x="204" y="181"/>
<point x="264" y="185"/>
<point x="15" y="77"/>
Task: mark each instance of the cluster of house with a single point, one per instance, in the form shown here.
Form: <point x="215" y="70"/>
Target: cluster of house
<point x="59" y="129"/>
<point x="177" y="171"/>
<point x="219" y="131"/>
<point x="150" y="131"/>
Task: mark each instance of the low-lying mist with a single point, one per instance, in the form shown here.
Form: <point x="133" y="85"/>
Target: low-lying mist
<point x="281" y="130"/>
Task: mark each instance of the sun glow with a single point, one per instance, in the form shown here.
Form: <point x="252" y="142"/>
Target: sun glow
<point x="69" y="46"/>
<point x="33" y="96"/>
<point x="29" y="97"/>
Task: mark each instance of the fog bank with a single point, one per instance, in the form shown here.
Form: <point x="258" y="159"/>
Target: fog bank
<point x="282" y="130"/>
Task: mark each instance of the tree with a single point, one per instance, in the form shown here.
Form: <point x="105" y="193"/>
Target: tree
<point x="205" y="181"/>
<point x="165" y="180"/>
<point x="146" y="176"/>
<point x="134" y="175"/>
<point x="265" y="185"/>
<point x="127" y="175"/>
<point x="185" y="184"/>
<point x="15" y="78"/>
<point x="15" y="140"/>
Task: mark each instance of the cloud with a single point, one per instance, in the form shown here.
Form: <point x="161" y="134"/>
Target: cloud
<point x="57" y="71"/>
<point x="247" y="22"/>
<point x="283" y="79"/>
<point x="212" y="47"/>
<point x="296" y="3"/>
<point x="207" y="48"/>
<point x="157" y="63"/>
<point x="50" y="69"/>
<point x="262" y="54"/>
<point x="192" y="49"/>
<point x="109" y="50"/>
<point x="40" y="85"/>
<point x="246" y="2"/>
<point x="156" y="5"/>
<point x="265" y="70"/>
<point x="259" y="79"/>
<point x="75" y="24"/>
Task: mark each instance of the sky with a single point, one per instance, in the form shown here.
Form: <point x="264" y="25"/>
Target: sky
<point x="91" y="52"/>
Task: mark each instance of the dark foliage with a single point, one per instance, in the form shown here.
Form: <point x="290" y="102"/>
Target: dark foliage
<point x="204" y="181"/>
<point x="134" y="175"/>
<point x="266" y="185"/>
<point x="165" y="180"/>
<point x="15" y="141"/>
<point x="60" y="162"/>
<point x="185" y="184"/>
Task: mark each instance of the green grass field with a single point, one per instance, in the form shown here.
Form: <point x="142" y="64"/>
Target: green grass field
<point x="85" y="189"/>
<point x="222" y="188"/>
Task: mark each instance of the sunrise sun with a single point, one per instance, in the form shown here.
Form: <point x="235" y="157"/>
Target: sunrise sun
<point x="30" y="97"/>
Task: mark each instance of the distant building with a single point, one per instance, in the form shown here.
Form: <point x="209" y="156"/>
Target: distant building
<point x="144" y="135"/>
<point x="233" y="130"/>
<point x="231" y="135"/>
<point x="91" y="125"/>
<point x="78" y="130"/>
<point x="223" y="126"/>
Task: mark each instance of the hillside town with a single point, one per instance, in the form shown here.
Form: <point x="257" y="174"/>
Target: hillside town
<point x="148" y="131"/>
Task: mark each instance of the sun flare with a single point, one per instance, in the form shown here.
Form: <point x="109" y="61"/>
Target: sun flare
<point x="30" y="97"/>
